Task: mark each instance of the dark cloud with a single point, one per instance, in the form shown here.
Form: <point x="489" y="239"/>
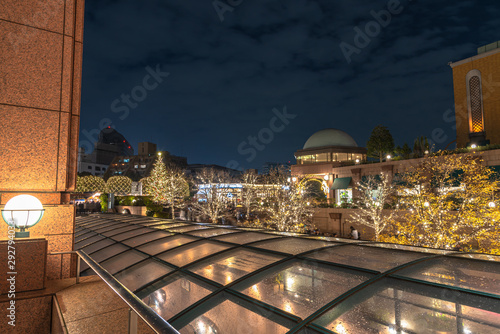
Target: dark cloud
<point x="226" y="77"/>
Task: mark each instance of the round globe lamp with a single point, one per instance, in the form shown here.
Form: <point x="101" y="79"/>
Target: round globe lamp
<point x="22" y="212"/>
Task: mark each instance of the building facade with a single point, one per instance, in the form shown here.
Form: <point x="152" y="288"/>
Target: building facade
<point x="476" y="81"/>
<point x="138" y="166"/>
<point x="41" y="65"/>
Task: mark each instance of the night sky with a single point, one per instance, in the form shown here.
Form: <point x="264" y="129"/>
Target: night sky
<point x="198" y="81"/>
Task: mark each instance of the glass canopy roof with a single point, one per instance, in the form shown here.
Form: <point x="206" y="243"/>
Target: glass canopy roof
<point x="220" y="279"/>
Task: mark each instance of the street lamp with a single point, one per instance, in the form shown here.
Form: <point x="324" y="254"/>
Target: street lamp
<point x="388" y="157"/>
<point x="22" y="212"/>
<point x="326" y="177"/>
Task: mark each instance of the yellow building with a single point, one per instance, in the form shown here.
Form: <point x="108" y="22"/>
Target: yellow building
<point x="476" y="82"/>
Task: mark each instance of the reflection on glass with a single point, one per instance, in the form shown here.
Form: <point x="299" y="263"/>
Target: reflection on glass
<point x="122" y="261"/>
<point x="468" y="274"/>
<point x="97" y="246"/>
<point x="378" y="259"/>
<point x="192" y="252"/>
<point x="293" y="245"/>
<point x="88" y="241"/>
<point x="142" y="273"/>
<point x="212" y="232"/>
<point x="229" y="317"/>
<point x="393" y="306"/>
<point x="130" y="234"/>
<point x="141" y="239"/>
<point x="173" y="294"/>
<point x="301" y="288"/>
<point x="116" y="231"/>
<point x="244" y="238"/>
<point x="230" y="266"/>
<point x="162" y="245"/>
<point x="185" y="228"/>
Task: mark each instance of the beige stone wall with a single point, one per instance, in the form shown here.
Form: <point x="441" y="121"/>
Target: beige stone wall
<point x="40" y="79"/>
<point x="327" y="221"/>
<point x="489" y="66"/>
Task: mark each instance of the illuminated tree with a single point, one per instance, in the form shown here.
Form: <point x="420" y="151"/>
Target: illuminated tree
<point x="146" y="188"/>
<point x="373" y="195"/>
<point x="177" y="188"/>
<point x="213" y="199"/>
<point x="450" y="202"/>
<point x="166" y="185"/>
<point x="287" y="206"/>
<point x="90" y="183"/>
<point x="119" y="185"/>
<point x="249" y="192"/>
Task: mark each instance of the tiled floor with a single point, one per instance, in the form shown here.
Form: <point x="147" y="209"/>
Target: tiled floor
<point x="93" y="307"/>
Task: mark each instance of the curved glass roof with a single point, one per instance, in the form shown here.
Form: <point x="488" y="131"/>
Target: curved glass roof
<point x="219" y="279"/>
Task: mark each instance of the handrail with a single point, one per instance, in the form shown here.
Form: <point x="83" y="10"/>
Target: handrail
<point x="153" y="320"/>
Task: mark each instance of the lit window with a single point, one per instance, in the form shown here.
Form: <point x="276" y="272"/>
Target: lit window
<point x="126" y="160"/>
<point x="475" y="101"/>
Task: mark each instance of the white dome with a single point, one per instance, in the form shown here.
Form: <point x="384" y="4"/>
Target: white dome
<point x="330" y="137"/>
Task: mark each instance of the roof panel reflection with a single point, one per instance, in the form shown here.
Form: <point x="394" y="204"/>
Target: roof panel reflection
<point x="244" y="238"/>
<point x="229" y="266"/>
<point x="393" y="306"/>
<point x="229" y="317"/>
<point x="379" y="259"/>
<point x="293" y="245"/>
<point x="186" y="254"/>
<point x="301" y="288"/>
<point x="173" y="294"/>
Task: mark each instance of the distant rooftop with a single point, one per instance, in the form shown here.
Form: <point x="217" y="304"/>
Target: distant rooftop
<point x="488" y="47"/>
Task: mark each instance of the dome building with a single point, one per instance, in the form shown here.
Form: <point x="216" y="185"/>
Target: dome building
<point x="324" y="152"/>
<point x="330" y="146"/>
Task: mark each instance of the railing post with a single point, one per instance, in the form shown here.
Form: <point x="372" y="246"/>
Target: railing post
<point x="132" y="322"/>
<point x="77" y="268"/>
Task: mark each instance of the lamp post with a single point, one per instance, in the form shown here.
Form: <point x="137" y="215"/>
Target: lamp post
<point x="22" y="212"/>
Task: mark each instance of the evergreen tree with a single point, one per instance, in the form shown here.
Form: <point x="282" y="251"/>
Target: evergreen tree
<point x="157" y="182"/>
<point x="167" y="185"/>
<point x="404" y="152"/>
<point x="380" y="142"/>
<point x="420" y="145"/>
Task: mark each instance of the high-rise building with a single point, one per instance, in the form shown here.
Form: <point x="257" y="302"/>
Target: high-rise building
<point x="146" y="148"/>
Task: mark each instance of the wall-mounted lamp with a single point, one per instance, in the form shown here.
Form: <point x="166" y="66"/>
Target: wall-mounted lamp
<point x="22" y="212"/>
